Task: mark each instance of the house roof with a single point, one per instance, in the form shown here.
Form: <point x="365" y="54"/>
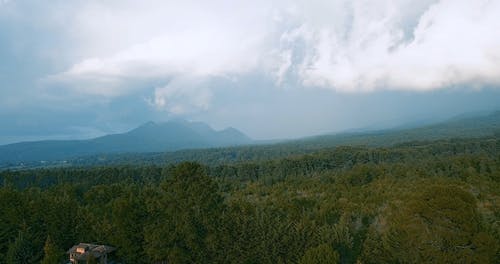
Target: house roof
<point x="90" y="250"/>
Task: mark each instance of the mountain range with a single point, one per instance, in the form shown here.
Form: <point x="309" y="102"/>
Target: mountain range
<point x="181" y="140"/>
<point x="150" y="137"/>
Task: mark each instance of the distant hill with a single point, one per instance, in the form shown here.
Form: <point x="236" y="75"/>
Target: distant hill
<point x="182" y="141"/>
<point x="150" y="137"/>
<point x="465" y="126"/>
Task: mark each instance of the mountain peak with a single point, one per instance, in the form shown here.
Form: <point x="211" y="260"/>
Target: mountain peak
<point x="149" y="137"/>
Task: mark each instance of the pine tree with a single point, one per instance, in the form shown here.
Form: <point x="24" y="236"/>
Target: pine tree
<point x="21" y="251"/>
<point x="52" y="254"/>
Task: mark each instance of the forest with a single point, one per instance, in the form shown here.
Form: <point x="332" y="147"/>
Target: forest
<point x="415" y="202"/>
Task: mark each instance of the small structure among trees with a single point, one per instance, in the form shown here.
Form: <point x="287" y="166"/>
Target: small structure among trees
<point x="85" y="253"/>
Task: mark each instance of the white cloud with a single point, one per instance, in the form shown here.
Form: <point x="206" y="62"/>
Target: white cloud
<point x="343" y="45"/>
<point x="181" y="96"/>
<point x="453" y="43"/>
<point x="162" y="40"/>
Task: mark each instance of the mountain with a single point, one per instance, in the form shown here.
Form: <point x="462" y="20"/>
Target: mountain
<point x="463" y="126"/>
<point x="150" y="137"/>
<point x="181" y="137"/>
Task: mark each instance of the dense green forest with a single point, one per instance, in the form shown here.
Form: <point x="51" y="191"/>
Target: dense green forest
<point x="416" y="202"/>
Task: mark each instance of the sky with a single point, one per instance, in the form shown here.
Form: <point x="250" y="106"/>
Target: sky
<point x="272" y="69"/>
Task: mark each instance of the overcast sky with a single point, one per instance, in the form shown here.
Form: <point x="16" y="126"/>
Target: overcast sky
<point x="273" y="69"/>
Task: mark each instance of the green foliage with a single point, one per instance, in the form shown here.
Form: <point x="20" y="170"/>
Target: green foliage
<point x="22" y="251"/>
<point x="51" y="253"/>
<point x="416" y="202"/>
<point x="189" y="207"/>
<point x="322" y="254"/>
<point x="439" y="223"/>
<point x="127" y="216"/>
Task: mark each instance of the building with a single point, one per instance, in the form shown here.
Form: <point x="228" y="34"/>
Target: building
<point x="84" y="252"/>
